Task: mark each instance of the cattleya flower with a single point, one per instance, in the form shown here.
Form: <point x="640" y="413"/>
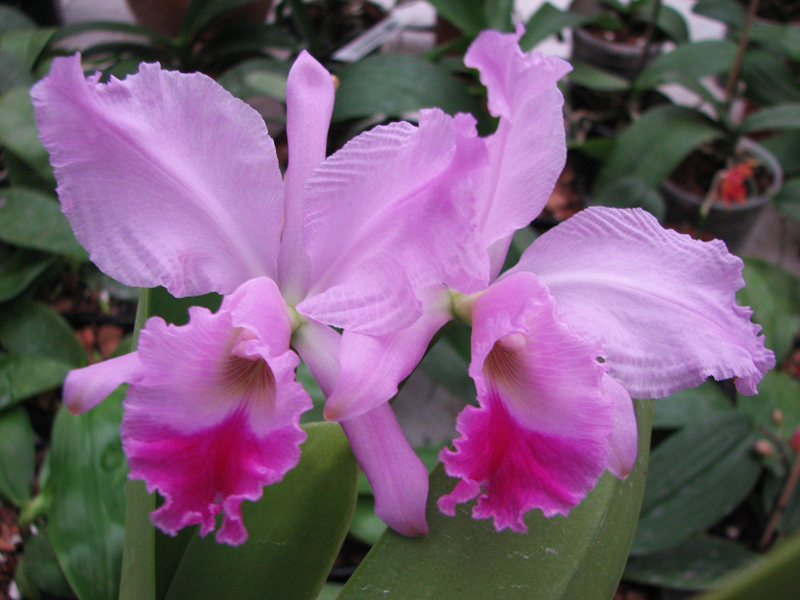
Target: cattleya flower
<point x="604" y="307"/>
<point x="169" y="180"/>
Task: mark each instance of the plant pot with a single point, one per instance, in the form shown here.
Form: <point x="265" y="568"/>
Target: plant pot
<point x="731" y="225"/>
<point x="165" y="16"/>
<point x="620" y="59"/>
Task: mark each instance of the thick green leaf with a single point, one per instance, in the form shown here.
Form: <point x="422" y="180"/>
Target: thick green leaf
<point x="26" y="45"/>
<point x="31" y="219"/>
<point x="18" y="132"/>
<point x="73" y="29"/>
<point x="786" y="148"/>
<point x="86" y="483"/>
<point x="257" y="77"/>
<point x="295" y="531"/>
<point x="729" y="12"/>
<point x="768" y="78"/>
<point x="176" y="310"/>
<point x="693" y="61"/>
<point x="201" y="12"/>
<point x="788" y="198"/>
<point x="774" y="296"/>
<point x="774" y="118"/>
<point x="696" y="477"/>
<point x="445" y="366"/>
<point x="776" y="391"/>
<point x="32" y="328"/>
<point x="393" y="84"/>
<point x="695" y="564"/>
<point x="597" y="79"/>
<point x="672" y="23"/>
<point x="784" y="37"/>
<point x="655" y="144"/>
<point x="467" y="15"/>
<point x="581" y="556"/>
<point x="24" y="376"/>
<point x="18" y="270"/>
<point x="549" y="20"/>
<point x="17" y="456"/>
<point x="692" y="405"/>
<point x="773" y="577"/>
<point x="498" y="14"/>
<point x="11" y="19"/>
<point x="632" y="192"/>
<point x="13" y="73"/>
<point x="40" y="566"/>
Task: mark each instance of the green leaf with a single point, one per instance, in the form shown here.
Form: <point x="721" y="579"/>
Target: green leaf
<point x="31" y="219"/>
<point x="24" y="376"/>
<point x="366" y="526"/>
<point x="773" y="577"/>
<point x="40" y="566"/>
<point x="696" y="477"/>
<point x="200" y="13"/>
<point x="776" y="391"/>
<point x="394" y="84"/>
<point x="581" y="556"/>
<point x="729" y="12"/>
<point x="26" y="45"/>
<point x="549" y="20"/>
<point x="467" y="15"/>
<point x="774" y="296"/>
<point x="498" y="14"/>
<point x="695" y="564"/>
<point x="18" y="133"/>
<point x="597" y="79"/>
<point x="692" y="61"/>
<point x="73" y="29"/>
<point x="11" y="19"/>
<point x="783" y="37"/>
<point x="176" y="310"/>
<point x="32" y="328"/>
<point x="788" y="198"/>
<point x="17" y="456"/>
<point x="672" y="23"/>
<point x="786" y="148"/>
<point x="445" y="366"/>
<point x="86" y="483"/>
<point x="692" y="405"/>
<point x="632" y="192"/>
<point x="773" y="118"/>
<point x="13" y="73"/>
<point x="654" y="145"/>
<point x="295" y="531"/>
<point x="18" y="270"/>
<point x="768" y="78"/>
<point x="257" y="77"/>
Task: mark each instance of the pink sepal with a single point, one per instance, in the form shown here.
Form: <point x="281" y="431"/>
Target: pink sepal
<point x="622" y="443"/>
<point x="87" y="387"/>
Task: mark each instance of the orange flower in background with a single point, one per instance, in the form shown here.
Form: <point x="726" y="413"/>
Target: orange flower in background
<point x="732" y="187"/>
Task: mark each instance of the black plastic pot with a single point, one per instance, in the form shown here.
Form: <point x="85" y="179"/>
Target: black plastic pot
<point x="731" y="225"/>
<point x="624" y="60"/>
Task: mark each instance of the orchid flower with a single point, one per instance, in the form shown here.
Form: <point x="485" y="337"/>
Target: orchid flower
<point x="169" y="180"/>
<point x="604" y="307"/>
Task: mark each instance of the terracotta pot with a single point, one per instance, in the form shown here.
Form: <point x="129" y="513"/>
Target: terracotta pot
<point x="731" y="225"/>
<point x="165" y="16"/>
<point x="621" y="59"/>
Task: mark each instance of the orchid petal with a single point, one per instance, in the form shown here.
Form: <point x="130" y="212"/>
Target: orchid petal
<point x="528" y="151"/>
<point x="398" y="478"/>
<point x="623" y="441"/>
<point x="394" y="201"/>
<point x="662" y="304"/>
<point x="309" y="105"/>
<point x="318" y="345"/>
<point x="373" y="367"/>
<point x="215" y="416"/>
<point x="540" y="436"/>
<point x="158" y="153"/>
<point x="87" y="387"/>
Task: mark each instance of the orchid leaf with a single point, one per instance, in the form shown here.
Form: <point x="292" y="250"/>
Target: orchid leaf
<point x="31" y="219"/>
<point x="729" y="12"/>
<point x="580" y="556"/>
<point x="498" y="14"/>
<point x="40" y="569"/>
<point x="257" y="77"/>
<point x="13" y="73"/>
<point x="17" y="456"/>
<point x="201" y="12"/>
<point x="295" y="531"/>
<point x="19" y="269"/>
<point x="26" y="45"/>
<point x="693" y="61"/>
<point x="24" y="376"/>
<point x="772" y="577"/>
<point x="86" y="483"/>
<point x="773" y="118"/>
<point x="12" y="19"/>
<point x="596" y="79"/>
<point x="788" y="198"/>
<point x="774" y="296"/>
<point x="549" y="20"/>
<point x="30" y="328"/>
<point x="786" y="148"/>
<point x="672" y="23"/>
<point x="768" y="79"/>
<point x="393" y="84"/>
<point x="467" y="15"/>
<point x="696" y="477"/>
<point x="776" y="391"/>
<point x="632" y="192"/>
<point x="690" y="405"/>
<point x="73" y="29"/>
<point x="19" y="135"/>
<point x="655" y="144"/>
<point x="696" y="564"/>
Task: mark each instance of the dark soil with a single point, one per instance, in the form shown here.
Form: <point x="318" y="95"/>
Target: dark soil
<point x="780" y="11"/>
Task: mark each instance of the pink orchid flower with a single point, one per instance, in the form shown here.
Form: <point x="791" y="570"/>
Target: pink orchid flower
<point x="604" y="307"/>
<point x="169" y="180"/>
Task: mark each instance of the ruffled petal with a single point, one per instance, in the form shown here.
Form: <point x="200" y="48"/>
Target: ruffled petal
<point x="166" y="178"/>
<point x="662" y="304"/>
<point x="215" y="416"/>
<point x="398" y="478"/>
<point x="372" y="367"/>
<point x="622" y="443"/>
<point x="528" y="150"/>
<point x="309" y="105"/>
<point x="540" y="436"/>
<point x="87" y="387"/>
<point x="395" y="204"/>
